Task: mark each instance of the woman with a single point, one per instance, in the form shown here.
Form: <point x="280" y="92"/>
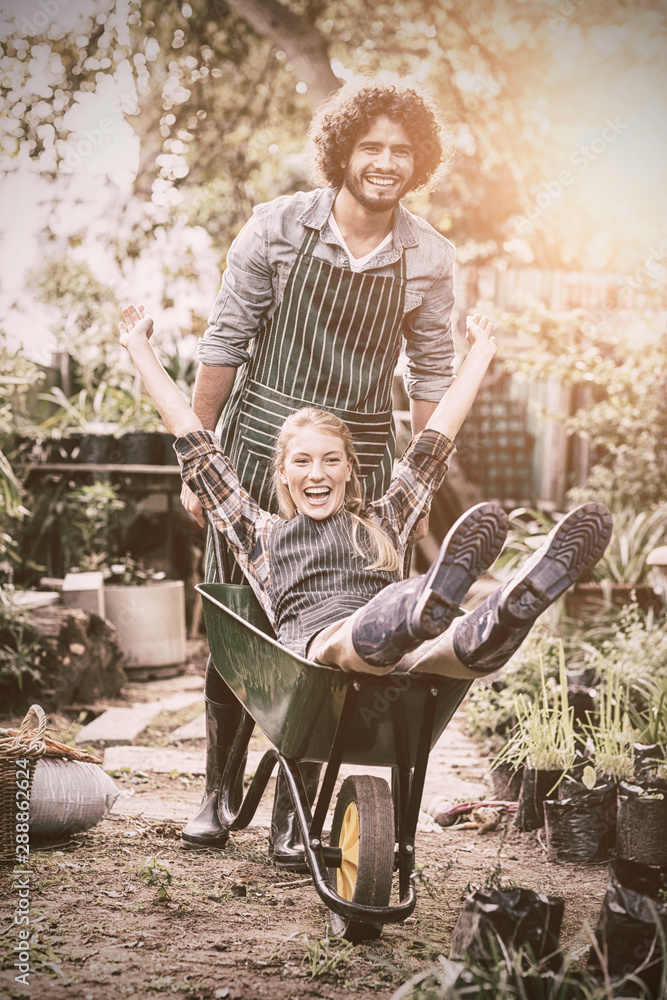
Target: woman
<point x="329" y="577"/>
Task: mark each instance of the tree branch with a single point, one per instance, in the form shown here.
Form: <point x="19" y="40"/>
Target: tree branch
<point x="298" y="38"/>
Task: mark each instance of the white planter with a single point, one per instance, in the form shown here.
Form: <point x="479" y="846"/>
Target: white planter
<point x="150" y="621"/>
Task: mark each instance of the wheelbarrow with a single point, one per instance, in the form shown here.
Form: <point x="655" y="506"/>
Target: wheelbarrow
<point x="318" y="713"/>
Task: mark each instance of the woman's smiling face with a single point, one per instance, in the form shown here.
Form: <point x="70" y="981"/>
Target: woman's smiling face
<point x="316" y="472"/>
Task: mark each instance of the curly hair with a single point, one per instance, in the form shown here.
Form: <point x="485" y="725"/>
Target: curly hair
<point x="348" y="114"/>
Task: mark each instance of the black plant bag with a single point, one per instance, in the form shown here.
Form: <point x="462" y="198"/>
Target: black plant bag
<point x="519" y="918"/>
<point x="629" y="928"/>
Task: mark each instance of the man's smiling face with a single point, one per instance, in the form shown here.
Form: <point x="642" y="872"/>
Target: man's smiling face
<point x="380" y="167"/>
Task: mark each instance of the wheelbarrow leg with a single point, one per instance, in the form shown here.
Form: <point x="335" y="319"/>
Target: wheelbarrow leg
<point x="222" y="721"/>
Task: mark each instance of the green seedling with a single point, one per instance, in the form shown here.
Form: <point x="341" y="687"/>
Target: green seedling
<point x="324" y="955"/>
<point x="154" y="872"/>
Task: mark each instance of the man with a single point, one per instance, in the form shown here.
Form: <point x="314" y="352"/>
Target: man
<point x="321" y="290"/>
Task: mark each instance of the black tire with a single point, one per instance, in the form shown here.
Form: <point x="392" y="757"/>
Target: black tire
<point x="364" y="878"/>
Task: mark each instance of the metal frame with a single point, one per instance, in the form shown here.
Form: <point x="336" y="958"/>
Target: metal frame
<point x="408" y="785"/>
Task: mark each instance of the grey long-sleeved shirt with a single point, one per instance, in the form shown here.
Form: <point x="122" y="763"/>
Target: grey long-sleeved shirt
<point x="262" y="255"/>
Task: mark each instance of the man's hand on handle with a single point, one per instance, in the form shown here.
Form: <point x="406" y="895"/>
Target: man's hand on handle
<point x="192" y="505"/>
<point x="421" y="531"/>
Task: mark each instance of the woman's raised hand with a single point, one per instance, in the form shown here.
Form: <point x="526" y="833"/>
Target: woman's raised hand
<point x="479" y="329"/>
<point x="137" y="323"/>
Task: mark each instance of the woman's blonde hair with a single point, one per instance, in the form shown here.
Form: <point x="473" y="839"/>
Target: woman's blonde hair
<point x="328" y="423"/>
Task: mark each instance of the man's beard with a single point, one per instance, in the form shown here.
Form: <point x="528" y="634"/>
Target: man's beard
<point x="379" y="203"/>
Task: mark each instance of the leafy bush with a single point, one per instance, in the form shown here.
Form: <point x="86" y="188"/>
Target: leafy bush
<point x="85" y="515"/>
<point x="18" y="374"/>
<point x="23" y="655"/>
<point x="633" y="537"/>
<point x="635" y="653"/>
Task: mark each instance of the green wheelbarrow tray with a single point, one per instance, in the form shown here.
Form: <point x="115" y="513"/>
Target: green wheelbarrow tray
<point x="297" y="704"/>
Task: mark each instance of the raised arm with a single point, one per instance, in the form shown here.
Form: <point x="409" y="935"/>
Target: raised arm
<point x="135" y="334"/>
<point x="455" y="405"/>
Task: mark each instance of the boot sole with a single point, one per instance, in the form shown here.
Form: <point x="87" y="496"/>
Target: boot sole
<point x="296" y="864"/>
<point x="574" y="545"/>
<point x="217" y="843"/>
<point x="471" y="546"/>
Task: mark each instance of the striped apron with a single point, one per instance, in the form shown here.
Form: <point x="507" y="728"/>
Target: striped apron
<point x="333" y="343"/>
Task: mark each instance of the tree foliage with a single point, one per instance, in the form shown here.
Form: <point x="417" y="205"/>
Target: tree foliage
<point x="220" y="94"/>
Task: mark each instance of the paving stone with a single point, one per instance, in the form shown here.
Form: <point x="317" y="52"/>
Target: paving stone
<point x="182" y="699"/>
<point x="193" y="730"/>
<point x="164" y="686"/>
<point x="120" y="726"/>
<point x="117" y="725"/>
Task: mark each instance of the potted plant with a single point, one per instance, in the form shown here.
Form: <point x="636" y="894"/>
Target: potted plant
<point x="622" y="574"/>
<point x="82" y="427"/>
<point x="581" y="826"/>
<point x="609" y="737"/>
<point x="108" y="425"/>
<point x="544" y="741"/>
<point x="642" y="796"/>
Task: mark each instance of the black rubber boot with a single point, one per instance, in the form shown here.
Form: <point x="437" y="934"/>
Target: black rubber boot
<point x="285" y="843"/>
<point x="485" y="639"/>
<point x="403" y="615"/>
<point x="205" y="829"/>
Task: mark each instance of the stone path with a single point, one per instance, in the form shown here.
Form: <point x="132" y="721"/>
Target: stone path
<point x="120" y="726"/>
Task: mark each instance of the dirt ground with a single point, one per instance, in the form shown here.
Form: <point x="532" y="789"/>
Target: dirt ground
<point x="228" y="924"/>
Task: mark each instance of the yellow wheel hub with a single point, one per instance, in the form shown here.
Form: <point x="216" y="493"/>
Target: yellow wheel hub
<point x="349" y="845"/>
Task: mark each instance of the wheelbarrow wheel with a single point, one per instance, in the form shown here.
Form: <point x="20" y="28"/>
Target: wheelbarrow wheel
<point x="363" y="828"/>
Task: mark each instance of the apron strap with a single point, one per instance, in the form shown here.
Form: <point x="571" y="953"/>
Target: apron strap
<point x="309" y="241"/>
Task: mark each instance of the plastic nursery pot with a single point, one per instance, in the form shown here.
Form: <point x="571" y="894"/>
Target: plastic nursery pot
<point x="576" y="829"/>
<point x="641" y="832"/>
<point x="519" y="918"/>
<point x="168" y="453"/>
<point x="140" y="448"/>
<point x="535" y="788"/>
<point x="96" y="449"/>
<point x="627" y="933"/>
<point x="65" y="449"/>
<point x="506" y="781"/>
<point x="647" y="757"/>
<point x="605" y="792"/>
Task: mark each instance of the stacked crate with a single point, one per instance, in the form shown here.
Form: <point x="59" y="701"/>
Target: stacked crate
<point x="495" y="450"/>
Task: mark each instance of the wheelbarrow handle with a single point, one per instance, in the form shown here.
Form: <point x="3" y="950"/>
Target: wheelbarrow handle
<point x="220" y="551"/>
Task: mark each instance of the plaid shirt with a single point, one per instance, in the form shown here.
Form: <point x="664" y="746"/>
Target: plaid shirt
<point x="253" y="533"/>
